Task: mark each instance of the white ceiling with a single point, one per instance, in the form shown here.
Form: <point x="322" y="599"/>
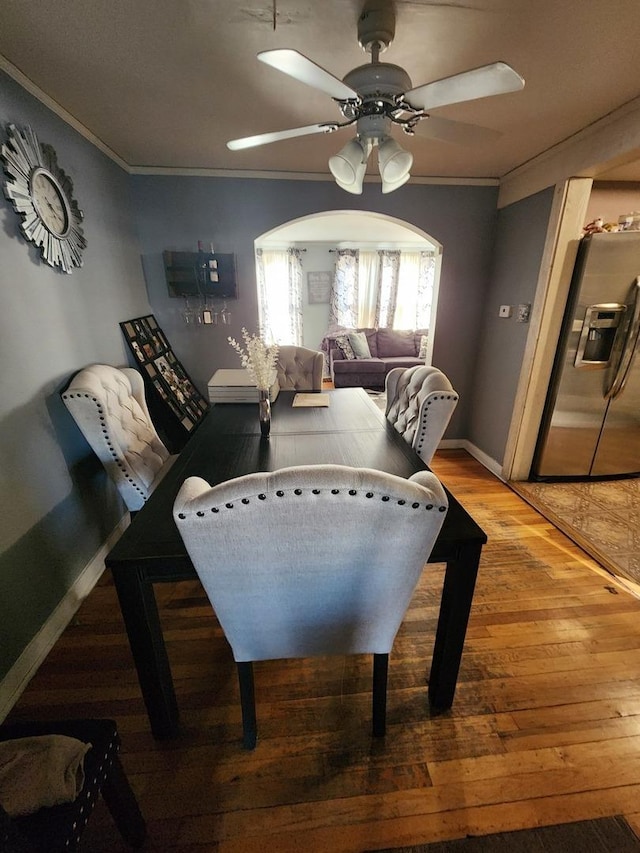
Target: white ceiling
<point x="165" y="83"/>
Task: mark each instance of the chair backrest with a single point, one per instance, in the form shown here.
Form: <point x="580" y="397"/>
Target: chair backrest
<point x="420" y="402"/>
<point x="299" y="369"/>
<point x="109" y="406"/>
<point x="310" y="560"/>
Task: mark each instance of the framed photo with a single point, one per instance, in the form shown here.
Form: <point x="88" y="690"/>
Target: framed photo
<point x="178" y="404"/>
<point x="318" y="287"/>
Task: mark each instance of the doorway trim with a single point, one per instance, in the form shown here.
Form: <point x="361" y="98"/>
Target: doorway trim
<point x="568" y="210"/>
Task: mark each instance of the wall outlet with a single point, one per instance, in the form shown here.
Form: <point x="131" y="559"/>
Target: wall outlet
<point x="524" y="312"/>
<point x="505" y="311"/>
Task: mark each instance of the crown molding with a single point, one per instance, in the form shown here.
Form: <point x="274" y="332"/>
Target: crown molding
<point x="299" y="176"/>
<point x="28" y="84"/>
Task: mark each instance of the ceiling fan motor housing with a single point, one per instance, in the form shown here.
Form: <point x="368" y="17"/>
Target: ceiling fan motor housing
<point x="376" y="25"/>
<point x="378" y="80"/>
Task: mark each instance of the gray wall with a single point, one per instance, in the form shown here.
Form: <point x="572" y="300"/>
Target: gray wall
<point x="57" y="508"/>
<point x="317" y="258"/>
<point x="519" y="244"/>
<point x="176" y="212"/>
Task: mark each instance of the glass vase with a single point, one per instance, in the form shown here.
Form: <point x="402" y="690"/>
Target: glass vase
<point x="264" y="411"/>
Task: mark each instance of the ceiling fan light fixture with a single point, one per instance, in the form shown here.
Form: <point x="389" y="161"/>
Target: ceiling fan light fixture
<point x="356" y="187"/>
<point x="346" y="165"/>
<point x="394" y="162"/>
<point x="390" y="186"/>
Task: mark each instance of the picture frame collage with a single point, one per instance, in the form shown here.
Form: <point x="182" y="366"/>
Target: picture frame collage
<point x="163" y="372"/>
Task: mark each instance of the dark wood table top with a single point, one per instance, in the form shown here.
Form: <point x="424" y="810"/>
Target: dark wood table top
<point x="227" y="444"/>
<point x="350" y="431"/>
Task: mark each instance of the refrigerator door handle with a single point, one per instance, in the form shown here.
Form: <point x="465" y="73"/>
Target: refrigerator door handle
<point x="628" y="349"/>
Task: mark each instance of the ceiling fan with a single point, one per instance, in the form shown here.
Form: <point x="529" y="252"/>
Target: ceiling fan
<point x="377" y="96"/>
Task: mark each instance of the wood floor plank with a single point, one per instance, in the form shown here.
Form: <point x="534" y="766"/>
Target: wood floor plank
<point x="545" y="726"/>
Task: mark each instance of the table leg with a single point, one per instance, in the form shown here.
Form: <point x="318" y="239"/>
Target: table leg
<point x="141" y="619"/>
<point x="457" y="595"/>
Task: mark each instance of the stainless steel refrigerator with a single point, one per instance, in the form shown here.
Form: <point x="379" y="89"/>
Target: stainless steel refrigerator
<point x="591" y="421"/>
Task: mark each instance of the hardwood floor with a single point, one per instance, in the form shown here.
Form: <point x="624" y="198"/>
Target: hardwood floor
<point x="545" y="727"/>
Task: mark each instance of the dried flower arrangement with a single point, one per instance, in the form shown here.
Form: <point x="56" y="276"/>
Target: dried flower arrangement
<point x="258" y="358"/>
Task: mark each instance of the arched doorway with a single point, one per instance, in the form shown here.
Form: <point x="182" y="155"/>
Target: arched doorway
<point x="317" y="236"/>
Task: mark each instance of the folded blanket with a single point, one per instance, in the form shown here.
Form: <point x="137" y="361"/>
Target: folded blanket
<point x="40" y="771"/>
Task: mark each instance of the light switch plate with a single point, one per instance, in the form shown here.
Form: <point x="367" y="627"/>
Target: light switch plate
<point x="505" y="311"/>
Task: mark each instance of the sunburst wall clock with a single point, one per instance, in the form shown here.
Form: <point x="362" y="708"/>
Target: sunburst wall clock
<point x="42" y="195"/>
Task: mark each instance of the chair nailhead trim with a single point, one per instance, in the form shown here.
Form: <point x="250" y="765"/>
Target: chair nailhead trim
<point x="280" y="493"/>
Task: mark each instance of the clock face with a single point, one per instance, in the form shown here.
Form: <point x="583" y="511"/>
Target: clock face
<point x="49" y="201"/>
<point x="42" y="195"/>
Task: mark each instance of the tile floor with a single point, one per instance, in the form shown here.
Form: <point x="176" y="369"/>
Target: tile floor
<point x="602" y="517"/>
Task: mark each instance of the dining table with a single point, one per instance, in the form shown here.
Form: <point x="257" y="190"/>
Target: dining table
<point x="351" y="430"/>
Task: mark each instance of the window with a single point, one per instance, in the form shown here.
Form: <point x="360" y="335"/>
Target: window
<point x="383" y="288"/>
<point x="280" y="295"/>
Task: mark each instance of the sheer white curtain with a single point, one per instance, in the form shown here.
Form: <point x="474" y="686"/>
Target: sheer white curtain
<point x="368" y="290"/>
<point x="416" y="277"/>
<point x="280" y="295"/>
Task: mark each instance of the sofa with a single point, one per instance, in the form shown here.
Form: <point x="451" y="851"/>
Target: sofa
<point x="387" y="348"/>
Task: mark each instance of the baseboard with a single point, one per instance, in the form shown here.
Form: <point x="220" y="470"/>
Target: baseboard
<point x="489" y="463"/>
<point x="452" y="444"/>
<point x="23" y="670"/>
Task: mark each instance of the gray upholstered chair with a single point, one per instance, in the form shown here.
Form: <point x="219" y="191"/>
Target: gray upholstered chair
<point x="109" y="406"/>
<point x="420" y="402"/>
<point x="299" y="369"/>
<point x="309" y="561"/>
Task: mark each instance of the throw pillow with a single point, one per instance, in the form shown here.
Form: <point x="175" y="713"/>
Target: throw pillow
<point x="423" y="347"/>
<point x="392" y="342"/>
<point x="343" y="343"/>
<point x="359" y="344"/>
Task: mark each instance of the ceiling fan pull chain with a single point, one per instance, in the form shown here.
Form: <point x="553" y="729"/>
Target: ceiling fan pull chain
<point x="275" y="14"/>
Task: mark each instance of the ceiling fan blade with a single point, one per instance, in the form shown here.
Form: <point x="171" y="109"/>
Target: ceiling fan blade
<point x="495" y="79"/>
<point x="457" y="132"/>
<point x="276" y="136"/>
<point x="296" y="65"/>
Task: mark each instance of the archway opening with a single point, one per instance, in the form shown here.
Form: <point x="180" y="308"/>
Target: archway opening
<point x="316" y="240"/>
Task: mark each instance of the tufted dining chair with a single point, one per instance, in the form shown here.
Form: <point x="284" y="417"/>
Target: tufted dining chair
<point x="46" y="802"/>
<point x="310" y="561"/>
<point x="299" y="369"/>
<point x="420" y="402"/>
<point x="109" y="406"/>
